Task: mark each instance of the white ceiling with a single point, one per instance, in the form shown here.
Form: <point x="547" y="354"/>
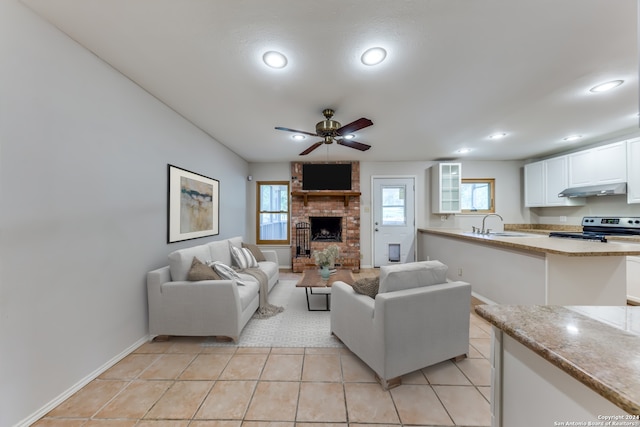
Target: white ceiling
<point x="456" y="70"/>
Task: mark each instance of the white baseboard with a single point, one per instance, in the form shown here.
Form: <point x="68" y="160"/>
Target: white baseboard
<point x="483" y="299"/>
<point x="77" y="386"/>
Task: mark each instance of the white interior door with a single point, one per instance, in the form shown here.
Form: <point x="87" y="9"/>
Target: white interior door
<point x="394" y="226"/>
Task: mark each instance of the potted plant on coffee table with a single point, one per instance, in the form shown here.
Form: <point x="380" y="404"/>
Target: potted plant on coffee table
<point x="326" y="259"/>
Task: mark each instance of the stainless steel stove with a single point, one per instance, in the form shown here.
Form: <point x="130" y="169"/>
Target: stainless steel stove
<point x="599" y="227"/>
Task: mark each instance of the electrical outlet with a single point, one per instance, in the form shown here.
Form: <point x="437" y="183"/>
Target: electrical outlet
<point x="563" y="219"/>
<point x="443" y="218"/>
<point x="460" y="272"/>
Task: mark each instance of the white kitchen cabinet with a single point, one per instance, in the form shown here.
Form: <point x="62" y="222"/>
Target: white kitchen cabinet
<point x="633" y="171"/>
<point x="446" y="180"/>
<point x="518" y="374"/>
<point x="544" y="180"/>
<point x="534" y="184"/>
<point x="556" y="179"/>
<point x="606" y="164"/>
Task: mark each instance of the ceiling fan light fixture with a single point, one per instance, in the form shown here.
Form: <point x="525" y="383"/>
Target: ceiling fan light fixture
<point x="274" y="59"/>
<point x="350" y="136"/>
<point x="299" y="137"/>
<point x="603" y="87"/>
<point x="373" y="56"/>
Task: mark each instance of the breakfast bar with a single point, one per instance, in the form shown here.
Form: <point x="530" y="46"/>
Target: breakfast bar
<point x="561" y="366"/>
<point x="529" y="268"/>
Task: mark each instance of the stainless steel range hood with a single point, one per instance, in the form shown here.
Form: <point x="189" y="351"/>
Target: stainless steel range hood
<point x="595" y="190"/>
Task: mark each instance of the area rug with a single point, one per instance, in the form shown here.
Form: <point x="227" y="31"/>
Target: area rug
<point x="294" y="327"/>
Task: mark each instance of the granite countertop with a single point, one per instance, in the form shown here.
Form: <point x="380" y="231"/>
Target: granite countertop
<point x="541" y="242"/>
<point x="598" y="346"/>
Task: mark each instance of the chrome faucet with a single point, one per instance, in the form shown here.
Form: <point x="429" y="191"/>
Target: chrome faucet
<point x="485" y="217"/>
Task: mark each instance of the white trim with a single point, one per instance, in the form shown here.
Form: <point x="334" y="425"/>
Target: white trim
<point x="483" y="299"/>
<point x="77" y="386"/>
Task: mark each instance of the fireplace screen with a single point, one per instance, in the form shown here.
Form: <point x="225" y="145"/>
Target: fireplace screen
<point x="326" y="228"/>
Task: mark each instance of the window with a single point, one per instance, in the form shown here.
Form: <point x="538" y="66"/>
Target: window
<point x="478" y="195"/>
<point x="272" y="212"/>
<point x="394" y="211"/>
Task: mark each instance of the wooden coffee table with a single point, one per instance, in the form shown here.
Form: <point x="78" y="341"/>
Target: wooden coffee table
<point x="311" y="280"/>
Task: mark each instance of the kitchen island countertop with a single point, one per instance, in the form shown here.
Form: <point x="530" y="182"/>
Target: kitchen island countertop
<point x="598" y="346"/>
<point x="536" y="242"/>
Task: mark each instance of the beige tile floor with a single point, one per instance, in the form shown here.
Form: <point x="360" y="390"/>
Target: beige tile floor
<point x="179" y="383"/>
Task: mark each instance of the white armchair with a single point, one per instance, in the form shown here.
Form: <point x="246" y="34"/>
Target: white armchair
<point x="417" y="319"/>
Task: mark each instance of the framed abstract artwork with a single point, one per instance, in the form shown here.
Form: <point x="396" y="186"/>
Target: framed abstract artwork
<point x="193" y="205"/>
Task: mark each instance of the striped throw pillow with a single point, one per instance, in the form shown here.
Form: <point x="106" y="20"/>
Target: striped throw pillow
<point x="226" y="272"/>
<point x="243" y="258"/>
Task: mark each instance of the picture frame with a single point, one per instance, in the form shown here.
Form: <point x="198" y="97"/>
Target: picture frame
<point x="193" y="207"/>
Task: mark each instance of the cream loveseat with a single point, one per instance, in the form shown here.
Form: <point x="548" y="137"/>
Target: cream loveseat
<point x="417" y="319"/>
<point x="206" y="307"/>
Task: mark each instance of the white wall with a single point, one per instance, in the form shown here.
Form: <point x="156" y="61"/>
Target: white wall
<point x="83" y="187"/>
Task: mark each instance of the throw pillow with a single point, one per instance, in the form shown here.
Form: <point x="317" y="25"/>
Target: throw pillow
<point x="243" y="258"/>
<point x="255" y="250"/>
<point x="226" y="272"/>
<point x="201" y="271"/>
<point x="367" y="286"/>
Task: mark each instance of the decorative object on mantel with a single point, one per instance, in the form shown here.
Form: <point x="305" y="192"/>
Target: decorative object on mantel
<point x="332" y="131"/>
<point x="193" y="205"/>
<point x="326" y="259"/>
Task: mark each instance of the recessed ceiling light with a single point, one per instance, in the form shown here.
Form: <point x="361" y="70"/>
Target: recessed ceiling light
<point x="571" y="138"/>
<point x="603" y="87"/>
<point x="463" y="150"/>
<point x="373" y="56"/>
<point x="274" y="59"/>
<point x="299" y="137"/>
<point x="350" y="136"/>
<point x="497" y="135"/>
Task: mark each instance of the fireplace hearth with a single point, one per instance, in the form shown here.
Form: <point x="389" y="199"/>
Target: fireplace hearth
<point x="326" y="228"/>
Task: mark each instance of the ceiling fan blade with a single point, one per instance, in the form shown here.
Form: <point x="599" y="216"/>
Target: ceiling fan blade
<point x="295" y="131"/>
<point x="353" y="144"/>
<point x="354" y="126"/>
<point x="313" y="147"/>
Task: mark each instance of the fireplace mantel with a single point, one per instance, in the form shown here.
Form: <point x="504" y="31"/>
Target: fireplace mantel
<point x="324" y="193"/>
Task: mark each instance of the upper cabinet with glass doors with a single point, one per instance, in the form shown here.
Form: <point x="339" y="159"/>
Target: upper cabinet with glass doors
<point x="445" y="188"/>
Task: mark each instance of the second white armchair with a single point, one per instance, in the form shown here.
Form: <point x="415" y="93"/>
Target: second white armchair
<point x="417" y="319"/>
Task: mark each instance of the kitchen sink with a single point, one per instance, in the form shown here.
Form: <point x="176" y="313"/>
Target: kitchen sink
<point x="506" y="234"/>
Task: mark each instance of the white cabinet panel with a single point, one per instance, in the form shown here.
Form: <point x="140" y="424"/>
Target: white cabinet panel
<point x="446" y="180"/>
<point x="581" y="168"/>
<point x="633" y="171"/>
<point x="544" y="180"/>
<point x="600" y="165"/>
<point x="534" y="184"/>
<point x="556" y="179"/>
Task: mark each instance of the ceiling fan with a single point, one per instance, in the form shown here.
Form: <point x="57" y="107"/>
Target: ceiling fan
<point x="331" y="130"/>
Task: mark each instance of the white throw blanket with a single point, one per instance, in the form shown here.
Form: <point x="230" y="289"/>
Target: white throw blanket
<point x="265" y="309"/>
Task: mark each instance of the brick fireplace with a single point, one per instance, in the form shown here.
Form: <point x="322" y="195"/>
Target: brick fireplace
<point x="336" y="215"/>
